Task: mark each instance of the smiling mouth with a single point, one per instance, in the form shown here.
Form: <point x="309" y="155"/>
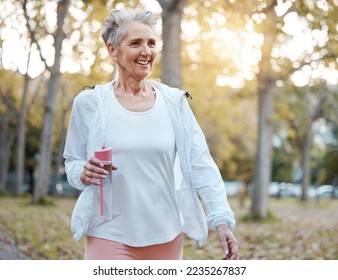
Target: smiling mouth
<point x="143" y="62"/>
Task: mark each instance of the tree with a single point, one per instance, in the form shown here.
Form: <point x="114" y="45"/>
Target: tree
<point x="306" y="105"/>
<point x="314" y="99"/>
<point x="67" y="103"/>
<point x="269" y="18"/>
<point x="41" y="187"/>
<point x="171" y="72"/>
<point x="245" y="17"/>
<point x="21" y="133"/>
<point x="7" y="117"/>
<point x="18" y="113"/>
<point x="33" y="126"/>
<point x="226" y="115"/>
<point x="305" y="144"/>
<point x="330" y="164"/>
<point x="266" y="94"/>
<point x="20" y="147"/>
<point x="331" y="155"/>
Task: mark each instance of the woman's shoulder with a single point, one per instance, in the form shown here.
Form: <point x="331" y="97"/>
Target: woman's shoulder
<point x="90" y="95"/>
<point x="172" y="93"/>
<point x="85" y="101"/>
<point x="88" y="92"/>
<point x="84" y="94"/>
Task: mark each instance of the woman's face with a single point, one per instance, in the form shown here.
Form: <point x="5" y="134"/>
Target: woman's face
<point x="137" y="53"/>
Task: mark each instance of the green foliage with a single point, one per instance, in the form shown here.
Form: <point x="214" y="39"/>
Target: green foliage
<point x="330" y="165"/>
<point x="226" y="115"/>
<point x="294" y="109"/>
<point x="282" y="165"/>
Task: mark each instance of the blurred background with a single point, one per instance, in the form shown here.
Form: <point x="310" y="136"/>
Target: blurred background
<point x="263" y="76"/>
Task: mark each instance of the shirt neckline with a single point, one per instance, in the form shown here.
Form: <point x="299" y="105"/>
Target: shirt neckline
<point x="135" y="112"/>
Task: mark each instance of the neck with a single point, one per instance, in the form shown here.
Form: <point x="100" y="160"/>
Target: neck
<point x="130" y="86"/>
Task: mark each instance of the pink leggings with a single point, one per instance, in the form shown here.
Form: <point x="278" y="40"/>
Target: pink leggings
<point x="103" y="249"/>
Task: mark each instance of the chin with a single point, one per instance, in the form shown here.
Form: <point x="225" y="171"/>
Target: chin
<point x="145" y="74"/>
<point x="141" y="77"/>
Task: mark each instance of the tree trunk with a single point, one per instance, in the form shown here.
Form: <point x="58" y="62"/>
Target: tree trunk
<point x="171" y="73"/>
<point x="6" y="137"/>
<point x="21" y="139"/>
<point x="307" y="144"/>
<point x="266" y="94"/>
<point x="41" y="188"/>
<point x="306" y="158"/>
<point x="4" y="152"/>
<point x="262" y="175"/>
<point x="45" y="157"/>
<point x="334" y="184"/>
<point x="62" y="140"/>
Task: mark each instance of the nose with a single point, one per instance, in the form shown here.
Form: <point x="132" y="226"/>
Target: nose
<point x="145" y="50"/>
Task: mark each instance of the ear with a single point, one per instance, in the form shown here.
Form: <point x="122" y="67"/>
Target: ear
<point x="112" y="50"/>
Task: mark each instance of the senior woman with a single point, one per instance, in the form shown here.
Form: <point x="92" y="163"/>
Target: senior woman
<point x="161" y="162"/>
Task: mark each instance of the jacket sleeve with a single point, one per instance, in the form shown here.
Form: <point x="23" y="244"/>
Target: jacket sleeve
<point x="75" y="153"/>
<point x="206" y="176"/>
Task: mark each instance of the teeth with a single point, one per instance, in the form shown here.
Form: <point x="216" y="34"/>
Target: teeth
<point x="143" y="62"/>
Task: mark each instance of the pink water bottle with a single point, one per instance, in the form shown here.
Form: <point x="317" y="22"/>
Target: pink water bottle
<point x="103" y="199"/>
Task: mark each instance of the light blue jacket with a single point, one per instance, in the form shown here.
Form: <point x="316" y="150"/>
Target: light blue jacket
<point x="196" y="174"/>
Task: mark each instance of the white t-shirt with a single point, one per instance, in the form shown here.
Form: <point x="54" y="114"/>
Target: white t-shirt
<point x="144" y="204"/>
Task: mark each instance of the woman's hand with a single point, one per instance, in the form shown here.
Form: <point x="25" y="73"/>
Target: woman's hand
<point x="228" y="242"/>
<point x="94" y="170"/>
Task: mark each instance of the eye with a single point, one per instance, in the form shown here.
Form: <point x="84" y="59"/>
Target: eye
<point x="134" y="44"/>
<point x="152" y="43"/>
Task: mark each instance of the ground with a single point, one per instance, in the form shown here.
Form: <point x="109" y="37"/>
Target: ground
<point x="299" y="231"/>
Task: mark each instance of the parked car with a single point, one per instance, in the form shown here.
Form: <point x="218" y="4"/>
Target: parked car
<point x="11" y="181"/>
<point x="284" y="190"/>
<point x="273" y="188"/>
<point x="297" y="191"/>
<point x="312" y="191"/>
<point x="287" y="190"/>
<point x="327" y="191"/>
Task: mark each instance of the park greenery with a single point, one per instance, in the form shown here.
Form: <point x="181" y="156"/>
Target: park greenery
<point x="263" y="76"/>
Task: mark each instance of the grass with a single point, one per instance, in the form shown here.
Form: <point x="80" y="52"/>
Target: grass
<point x="41" y="231"/>
<point x="294" y="230"/>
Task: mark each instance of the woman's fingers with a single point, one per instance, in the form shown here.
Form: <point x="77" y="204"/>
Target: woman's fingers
<point x="228" y="242"/>
<point x="94" y="170"/>
<point x="87" y="179"/>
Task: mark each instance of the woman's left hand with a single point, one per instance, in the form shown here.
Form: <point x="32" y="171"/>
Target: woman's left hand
<point x="228" y="242"/>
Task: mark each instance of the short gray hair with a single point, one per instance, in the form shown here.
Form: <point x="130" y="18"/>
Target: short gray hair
<point x="114" y="29"/>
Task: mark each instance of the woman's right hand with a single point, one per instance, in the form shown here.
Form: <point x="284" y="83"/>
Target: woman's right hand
<point x="94" y="170"/>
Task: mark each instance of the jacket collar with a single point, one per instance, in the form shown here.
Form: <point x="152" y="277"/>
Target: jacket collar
<point x="175" y="95"/>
